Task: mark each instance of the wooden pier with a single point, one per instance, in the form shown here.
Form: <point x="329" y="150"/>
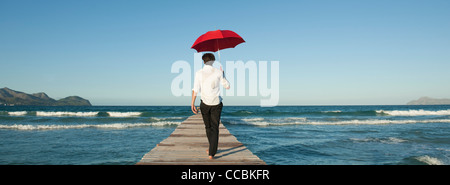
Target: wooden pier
<point x="187" y="145"/>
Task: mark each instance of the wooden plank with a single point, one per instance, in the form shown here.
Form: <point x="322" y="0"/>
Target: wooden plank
<point x="196" y="135"/>
<point x="187" y="145"/>
<point x="197" y="163"/>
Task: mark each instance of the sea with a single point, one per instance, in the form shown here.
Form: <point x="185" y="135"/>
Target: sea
<point x="282" y="135"/>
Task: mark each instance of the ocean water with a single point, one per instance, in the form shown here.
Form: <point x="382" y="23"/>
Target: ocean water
<point x="283" y="135"/>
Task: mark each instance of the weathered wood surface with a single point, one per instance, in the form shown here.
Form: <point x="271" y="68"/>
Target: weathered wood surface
<point x="187" y="145"/>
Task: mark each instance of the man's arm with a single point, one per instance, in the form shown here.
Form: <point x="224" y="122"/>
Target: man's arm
<point x="225" y="82"/>
<point x="194" y="96"/>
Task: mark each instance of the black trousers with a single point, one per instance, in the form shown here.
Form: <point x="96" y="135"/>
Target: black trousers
<point x="211" y="118"/>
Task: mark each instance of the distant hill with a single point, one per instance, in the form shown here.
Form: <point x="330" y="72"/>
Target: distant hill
<point x="429" y="101"/>
<point x="12" y="97"/>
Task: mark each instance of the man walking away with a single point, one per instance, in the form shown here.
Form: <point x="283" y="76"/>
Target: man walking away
<point x="208" y="80"/>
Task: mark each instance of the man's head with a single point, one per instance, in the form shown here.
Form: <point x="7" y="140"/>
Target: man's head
<point x="208" y="57"/>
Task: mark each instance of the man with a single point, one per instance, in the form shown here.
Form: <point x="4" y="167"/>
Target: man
<point x="207" y="80"/>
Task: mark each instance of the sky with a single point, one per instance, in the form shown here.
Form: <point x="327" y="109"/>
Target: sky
<point x="117" y="52"/>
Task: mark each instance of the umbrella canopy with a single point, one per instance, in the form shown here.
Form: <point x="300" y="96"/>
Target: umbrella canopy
<point x="217" y="40"/>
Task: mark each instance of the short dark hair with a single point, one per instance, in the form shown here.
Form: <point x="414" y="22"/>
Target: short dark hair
<point x="208" y="57"/>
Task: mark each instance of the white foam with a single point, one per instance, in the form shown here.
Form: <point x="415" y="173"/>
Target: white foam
<point x="165" y="123"/>
<point x="395" y="140"/>
<point x="346" y="122"/>
<point x="165" y="118"/>
<point x="390" y="140"/>
<point x="76" y="114"/>
<point x="17" y="113"/>
<point x="334" y="111"/>
<point x="124" y="114"/>
<point x="59" y="114"/>
<point x="420" y="112"/>
<point x="252" y="119"/>
<point x="266" y="123"/>
<point x="378" y="122"/>
<point x="81" y="126"/>
<point x="295" y="118"/>
<point x="259" y="121"/>
<point x="443" y="149"/>
<point x="430" y="160"/>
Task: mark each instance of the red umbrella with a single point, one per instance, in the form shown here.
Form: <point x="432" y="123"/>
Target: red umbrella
<point x="217" y="40"/>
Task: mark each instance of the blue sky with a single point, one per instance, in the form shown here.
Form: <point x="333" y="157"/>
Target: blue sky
<point x="330" y="52"/>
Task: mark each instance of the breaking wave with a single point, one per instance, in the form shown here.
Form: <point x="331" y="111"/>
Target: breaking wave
<point x="304" y="121"/>
<point x="429" y="160"/>
<point x="240" y="113"/>
<point x="82" y="126"/>
<point x="252" y="119"/>
<point x="59" y="114"/>
<point x="420" y="112"/>
<point x="73" y="114"/>
<point x="17" y="113"/>
<point x="389" y="140"/>
<point x="124" y="114"/>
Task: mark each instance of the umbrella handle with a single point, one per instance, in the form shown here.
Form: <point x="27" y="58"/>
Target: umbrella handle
<point x="219" y="54"/>
<point x="218" y="49"/>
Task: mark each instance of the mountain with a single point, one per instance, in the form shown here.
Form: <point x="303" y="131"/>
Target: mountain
<point x="12" y="97"/>
<point x="429" y="101"/>
<point x="74" y="101"/>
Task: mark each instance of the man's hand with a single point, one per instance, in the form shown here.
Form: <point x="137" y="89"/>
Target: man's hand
<point x="194" y="95"/>
<point x="194" y="110"/>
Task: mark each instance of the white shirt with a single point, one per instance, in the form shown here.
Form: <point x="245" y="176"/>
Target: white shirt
<point x="207" y="82"/>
